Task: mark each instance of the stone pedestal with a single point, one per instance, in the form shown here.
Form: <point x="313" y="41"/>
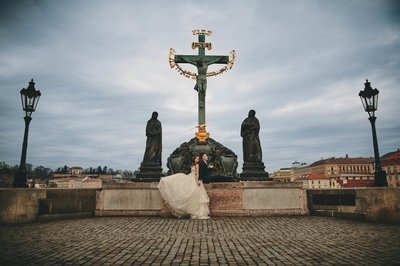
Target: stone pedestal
<point x="149" y="172"/>
<point x="250" y="198"/>
<point x="254" y="172"/>
<point x="222" y="161"/>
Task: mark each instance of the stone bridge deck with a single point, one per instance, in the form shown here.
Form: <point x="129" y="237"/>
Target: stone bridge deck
<point x="299" y="240"/>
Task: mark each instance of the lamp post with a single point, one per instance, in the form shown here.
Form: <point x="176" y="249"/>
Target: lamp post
<point x="369" y="99"/>
<point x="29" y="98"/>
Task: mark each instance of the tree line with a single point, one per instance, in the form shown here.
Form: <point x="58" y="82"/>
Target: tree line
<point x="91" y="170"/>
<point x="41" y="172"/>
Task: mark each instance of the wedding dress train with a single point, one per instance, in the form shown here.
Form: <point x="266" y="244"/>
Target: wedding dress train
<point x="184" y="196"/>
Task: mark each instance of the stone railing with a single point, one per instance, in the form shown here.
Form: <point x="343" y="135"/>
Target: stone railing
<point x="226" y="199"/>
<point x="370" y="204"/>
<point x="29" y="205"/>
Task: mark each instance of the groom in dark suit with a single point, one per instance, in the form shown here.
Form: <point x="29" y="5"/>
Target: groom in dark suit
<point x="203" y="169"/>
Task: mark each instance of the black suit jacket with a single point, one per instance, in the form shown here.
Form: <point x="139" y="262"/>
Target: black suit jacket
<point x="203" y="172"/>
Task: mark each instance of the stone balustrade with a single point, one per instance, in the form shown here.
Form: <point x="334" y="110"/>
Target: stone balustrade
<point x="251" y="198"/>
<point x="368" y="204"/>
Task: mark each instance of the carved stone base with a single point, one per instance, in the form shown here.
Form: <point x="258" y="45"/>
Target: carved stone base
<point x="222" y="161"/>
<point x="149" y="172"/>
<point x="254" y="172"/>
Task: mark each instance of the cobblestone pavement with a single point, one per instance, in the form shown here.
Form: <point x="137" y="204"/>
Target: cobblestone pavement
<point x="233" y="241"/>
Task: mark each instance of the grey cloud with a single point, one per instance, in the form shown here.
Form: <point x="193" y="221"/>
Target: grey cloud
<point x="102" y="69"/>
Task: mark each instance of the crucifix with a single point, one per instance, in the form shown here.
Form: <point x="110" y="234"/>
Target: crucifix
<point x="201" y="62"/>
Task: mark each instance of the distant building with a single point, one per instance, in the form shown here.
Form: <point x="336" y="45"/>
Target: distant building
<point x="40" y="183"/>
<point x="91" y="183"/>
<point x="391" y="165"/>
<point x="76" y="178"/>
<point x="340" y="172"/>
<point x="288" y="174"/>
<point x="76" y="170"/>
<point x="315" y="180"/>
<point x="300" y="171"/>
<point x="107" y="178"/>
<point x="355" y="183"/>
<point x="76" y="182"/>
<point x="283" y="175"/>
<point x="62" y="182"/>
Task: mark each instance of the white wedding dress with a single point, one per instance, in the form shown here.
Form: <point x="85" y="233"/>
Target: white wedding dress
<point x="184" y="196"/>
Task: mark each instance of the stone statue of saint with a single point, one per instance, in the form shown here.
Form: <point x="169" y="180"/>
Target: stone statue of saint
<point x="251" y="142"/>
<point x="153" y="150"/>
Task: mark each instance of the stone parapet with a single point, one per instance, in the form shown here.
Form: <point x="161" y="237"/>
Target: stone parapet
<point x="250" y="198"/>
<point x="135" y="185"/>
<point x="226" y="199"/>
<point x="23" y="205"/>
<point x="369" y="204"/>
<point x="19" y="205"/>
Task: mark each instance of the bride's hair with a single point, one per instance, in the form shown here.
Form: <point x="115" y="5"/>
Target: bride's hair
<point x="194" y="159"/>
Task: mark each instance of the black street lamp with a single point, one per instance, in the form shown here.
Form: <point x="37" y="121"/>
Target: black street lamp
<point x="369" y="99"/>
<point x="29" y="98"/>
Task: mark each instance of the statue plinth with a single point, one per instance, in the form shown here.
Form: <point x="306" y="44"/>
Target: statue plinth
<point x="149" y="172"/>
<point x="222" y="161"/>
<point x="254" y="171"/>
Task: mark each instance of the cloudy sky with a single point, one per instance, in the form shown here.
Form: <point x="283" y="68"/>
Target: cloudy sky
<point x="102" y="68"/>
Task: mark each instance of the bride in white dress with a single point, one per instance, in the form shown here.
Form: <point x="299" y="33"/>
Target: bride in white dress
<point x="185" y="194"/>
